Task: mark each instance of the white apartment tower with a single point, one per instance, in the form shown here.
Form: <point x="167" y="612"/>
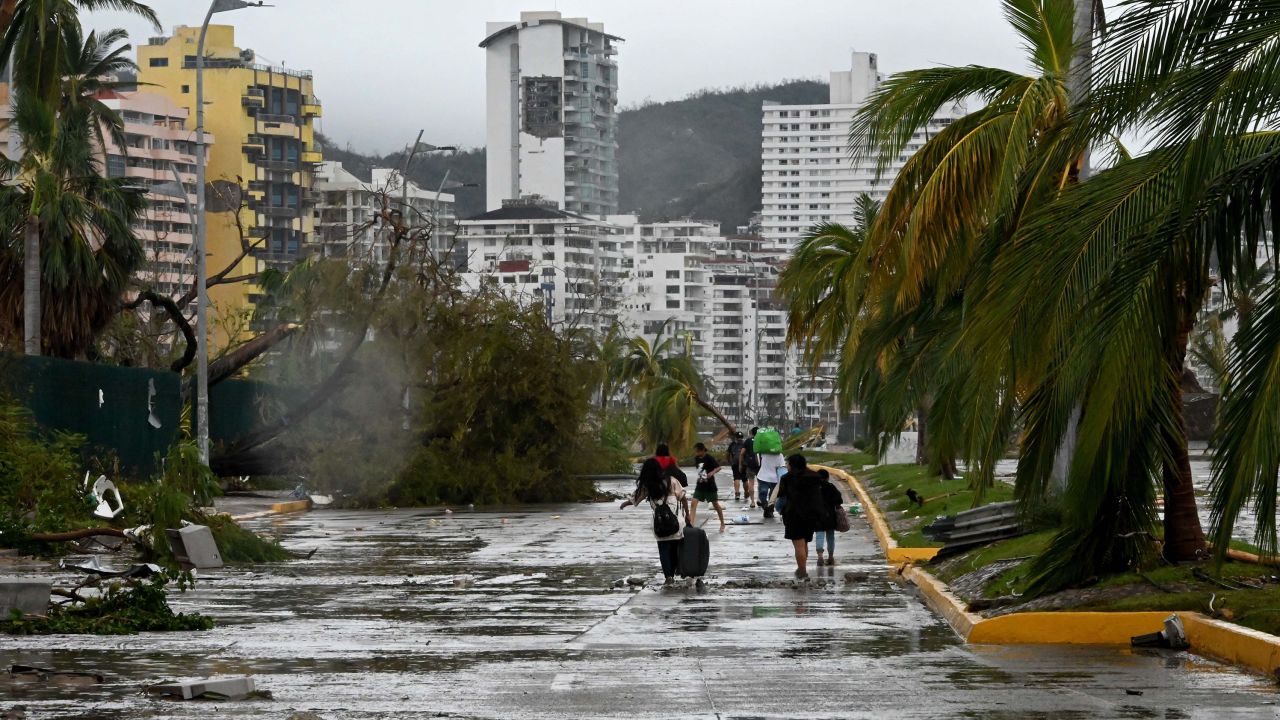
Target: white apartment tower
<point x="552" y="94"/>
<point x="807" y="176"/>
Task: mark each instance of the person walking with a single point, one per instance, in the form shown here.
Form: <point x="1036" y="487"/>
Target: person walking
<point x="825" y="535"/>
<point x="705" y="490"/>
<point x="666" y="499"/>
<point x="769" y="463"/>
<point x="736" y="444"/>
<point x="801" y="490"/>
<point x="750" y="466"/>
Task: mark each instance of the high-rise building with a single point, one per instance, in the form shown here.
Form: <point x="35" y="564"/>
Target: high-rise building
<point x="158" y="146"/>
<point x="348" y="211"/>
<point x="807" y="176"/>
<point x="552" y="122"/>
<point x="262" y="117"/>
<point x="667" y="282"/>
<point x="532" y="250"/>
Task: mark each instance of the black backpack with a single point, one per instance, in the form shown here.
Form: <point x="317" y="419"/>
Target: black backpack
<point x="734" y="448"/>
<point x="665" y="522"/>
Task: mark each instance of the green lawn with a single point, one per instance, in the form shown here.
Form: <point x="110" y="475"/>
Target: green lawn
<point x="844" y="461"/>
<point x="942" y="497"/>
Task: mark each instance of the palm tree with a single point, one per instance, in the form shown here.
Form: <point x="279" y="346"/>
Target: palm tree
<point x="900" y="305"/>
<point x="37" y="37"/>
<point x="1121" y="266"/>
<point x="33" y="33"/>
<point x="62" y="202"/>
<point x="665" y="381"/>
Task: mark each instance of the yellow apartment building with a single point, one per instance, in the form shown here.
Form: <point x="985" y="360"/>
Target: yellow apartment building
<point x="262" y="117"/>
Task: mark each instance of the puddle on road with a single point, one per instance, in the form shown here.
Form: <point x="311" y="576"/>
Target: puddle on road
<point x="402" y="613"/>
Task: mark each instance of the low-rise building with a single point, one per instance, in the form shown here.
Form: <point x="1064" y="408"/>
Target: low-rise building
<point x="348" y="211"/>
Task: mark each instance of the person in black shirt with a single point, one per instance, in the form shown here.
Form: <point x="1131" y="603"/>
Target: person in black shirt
<point x="706" y="490"/>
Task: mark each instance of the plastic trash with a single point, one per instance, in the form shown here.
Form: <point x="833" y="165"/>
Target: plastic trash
<point x="104" y="493"/>
<point x="742" y="520"/>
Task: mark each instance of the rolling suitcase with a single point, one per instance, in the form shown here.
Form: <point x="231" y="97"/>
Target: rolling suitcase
<point x="694" y="554"/>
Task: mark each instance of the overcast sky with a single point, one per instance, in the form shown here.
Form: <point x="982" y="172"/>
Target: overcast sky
<point x="385" y="68"/>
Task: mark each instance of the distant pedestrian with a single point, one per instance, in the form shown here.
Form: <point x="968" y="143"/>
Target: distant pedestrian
<point x="666" y="499"/>
<point x="825" y="534"/>
<point x="751" y="466"/>
<point x="705" y="490"/>
<point x="796" y="429"/>
<point x="669" y="464"/>
<point x="736" y="443"/>
<point x="802" y="493"/>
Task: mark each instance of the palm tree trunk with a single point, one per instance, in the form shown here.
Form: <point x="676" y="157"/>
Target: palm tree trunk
<point x="1183" y="535"/>
<point x="31" y="289"/>
<point x="708" y="407"/>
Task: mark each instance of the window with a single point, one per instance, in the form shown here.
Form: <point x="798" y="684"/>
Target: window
<point x="673" y="304"/>
<point x="673" y="274"/>
<point x="116" y="166"/>
<point x="186" y="89"/>
<point x="158" y="62"/>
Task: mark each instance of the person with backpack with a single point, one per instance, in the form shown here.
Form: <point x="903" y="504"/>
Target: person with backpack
<point x="670" y="466"/>
<point x="766" y="445"/>
<point x="666" y="499"/>
<point x="826" y="532"/>
<point x="735" y="465"/>
<point x="806" y="510"/>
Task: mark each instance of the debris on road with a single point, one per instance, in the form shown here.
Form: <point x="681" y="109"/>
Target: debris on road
<point x="194" y="546"/>
<point x="22" y="674"/>
<point x="29" y="596"/>
<point x="94" y="567"/>
<point x="236" y="688"/>
<point x="1173" y="636"/>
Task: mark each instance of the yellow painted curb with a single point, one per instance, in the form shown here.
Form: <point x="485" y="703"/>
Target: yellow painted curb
<point x="1234" y="644"/>
<point x="291" y="506"/>
<point x="893" y="554"/>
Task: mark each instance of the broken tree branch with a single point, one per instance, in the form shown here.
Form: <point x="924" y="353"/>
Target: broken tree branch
<point x="77" y="534"/>
<point x="175" y="314"/>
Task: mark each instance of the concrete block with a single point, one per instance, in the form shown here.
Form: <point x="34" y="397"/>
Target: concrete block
<point x="236" y="688"/>
<point x="194" y="545"/>
<point x="28" y="595"/>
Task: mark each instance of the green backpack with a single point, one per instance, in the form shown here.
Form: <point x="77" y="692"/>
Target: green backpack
<point x="768" y="441"/>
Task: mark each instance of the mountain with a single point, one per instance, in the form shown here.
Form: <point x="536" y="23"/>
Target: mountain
<point x="696" y="157"/>
<point x="700" y="157"/>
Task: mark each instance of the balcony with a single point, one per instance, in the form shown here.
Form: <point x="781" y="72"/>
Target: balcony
<point x="254" y="98"/>
<point x="279" y="165"/>
<point x="276" y="210"/>
<point x="254" y="144"/>
<point x="312" y="157"/>
<point x="311" y="106"/>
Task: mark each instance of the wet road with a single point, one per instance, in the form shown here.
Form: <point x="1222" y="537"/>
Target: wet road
<point x="406" y="614"/>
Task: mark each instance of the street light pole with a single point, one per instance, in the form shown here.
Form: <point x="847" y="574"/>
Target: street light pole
<point x="202" y="280"/>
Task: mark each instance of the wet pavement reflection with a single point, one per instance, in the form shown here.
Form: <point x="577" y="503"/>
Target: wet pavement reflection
<point x="525" y="612"/>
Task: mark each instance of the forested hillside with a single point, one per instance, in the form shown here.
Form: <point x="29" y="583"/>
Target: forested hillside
<point x="700" y="156"/>
<point x="697" y="157"/>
